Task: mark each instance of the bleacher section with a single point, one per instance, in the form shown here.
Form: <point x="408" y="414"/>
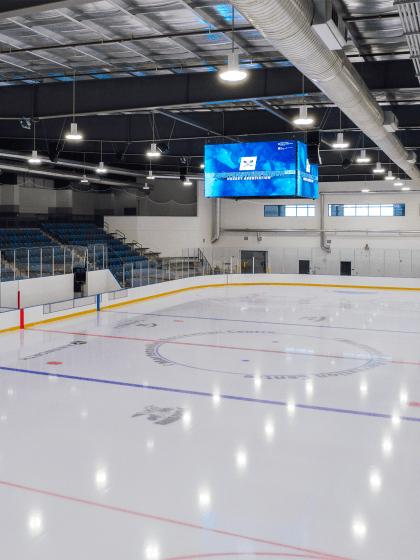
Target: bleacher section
<point x="28" y="253"/>
<point x="86" y="234"/>
<point x="17" y="238"/>
<point x="15" y="244"/>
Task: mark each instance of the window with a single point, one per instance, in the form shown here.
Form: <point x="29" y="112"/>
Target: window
<point x="366" y="210"/>
<point x="290" y="210"/>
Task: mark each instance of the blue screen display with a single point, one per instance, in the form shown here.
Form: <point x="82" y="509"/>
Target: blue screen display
<point x="307" y="174"/>
<point x="261" y="169"/>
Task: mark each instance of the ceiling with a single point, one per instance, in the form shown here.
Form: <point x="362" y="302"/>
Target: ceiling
<point x="130" y="58"/>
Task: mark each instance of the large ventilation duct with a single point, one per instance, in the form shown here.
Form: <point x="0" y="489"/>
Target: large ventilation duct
<point x="287" y="25"/>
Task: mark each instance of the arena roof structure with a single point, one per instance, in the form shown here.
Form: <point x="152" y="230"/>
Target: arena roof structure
<point x="129" y="63"/>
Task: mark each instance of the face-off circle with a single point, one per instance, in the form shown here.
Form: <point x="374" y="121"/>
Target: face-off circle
<point x="268" y="354"/>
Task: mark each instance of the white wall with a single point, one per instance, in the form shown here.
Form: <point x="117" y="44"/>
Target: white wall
<point x="9" y="294"/>
<point x="101" y="281"/>
<point x="168" y="235"/>
<point x="37" y="291"/>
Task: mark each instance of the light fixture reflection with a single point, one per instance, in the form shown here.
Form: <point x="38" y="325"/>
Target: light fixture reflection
<point x="35" y="523"/>
<point x="152" y="551"/>
<point x="101" y="478"/>
<point x="364" y="389"/>
<point x="257" y="382"/>
<point x="216" y="399"/>
<point x="359" y="528"/>
<point x="387" y="446"/>
<point x="241" y="459"/>
<point x="269" y="429"/>
<point x="309" y="386"/>
<point x="186" y="418"/>
<point x="204" y="499"/>
<point x="375" y="481"/>
<point x="396" y="420"/>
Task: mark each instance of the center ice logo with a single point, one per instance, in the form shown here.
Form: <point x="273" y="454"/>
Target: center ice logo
<point x="248" y="163"/>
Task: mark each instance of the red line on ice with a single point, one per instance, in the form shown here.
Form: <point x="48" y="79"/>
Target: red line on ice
<point x="174" y="522"/>
<point x="228" y="347"/>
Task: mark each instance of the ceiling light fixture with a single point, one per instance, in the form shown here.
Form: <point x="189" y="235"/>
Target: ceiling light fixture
<point x="153" y="148"/>
<point x="303" y="119"/>
<point x="340" y="144"/>
<point x="363" y="158"/>
<point x="151" y="176"/>
<point x="405" y="189"/>
<point x="233" y="72"/>
<point x="398" y="182"/>
<point x="365" y="190"/>
<point x="101" y="168"/>
<point x="34" y="157"/>
<point x="202" y="166"/>
<point x="84" y="178"/>
<point x="378" y="168"/>
<point x="390" y="176"/>
<point x="187" y="182"/>
<point x="73" y="134"/>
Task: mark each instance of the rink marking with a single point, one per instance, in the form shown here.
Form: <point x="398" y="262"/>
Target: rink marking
<point x="172" y="521"/>
<point x="159" y="341"/>
<point x="264" y="322"/>
<point x="219" y="554"/>
<point x="202" y="394"/>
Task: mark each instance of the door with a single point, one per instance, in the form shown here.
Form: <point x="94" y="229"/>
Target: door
<point x="253" y="261"/>
<point x="345" y="268"/>
<point x="304" y="267"/>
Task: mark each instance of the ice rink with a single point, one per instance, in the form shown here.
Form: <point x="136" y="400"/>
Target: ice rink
<point x="247" y="422"/>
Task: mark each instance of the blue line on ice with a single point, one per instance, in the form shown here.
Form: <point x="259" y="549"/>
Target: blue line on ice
<point x="201" y="394"/>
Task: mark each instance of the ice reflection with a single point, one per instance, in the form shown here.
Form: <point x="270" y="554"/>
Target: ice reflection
<point x="309" y="386"/>
<point x="387" y="446"/>
<point x="364" y="389"/>
<point x="186" y="419"/>
<point x="375" y="481"/>
<point x="204" y="498"/>
<point x="241" y="459"/>
<point x="35" y="523"/>
<point x="150" y="444"/>
<point x="269" y="430"/>
<point x="101" y="478"/>
<point x="152" y="551"/>
<point x="359" y="528"/>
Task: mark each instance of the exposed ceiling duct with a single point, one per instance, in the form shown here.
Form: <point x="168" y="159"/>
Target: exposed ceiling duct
<point x="11" y="155"/>
<point x="53" y="174"/>
<point x="287" y="25"/>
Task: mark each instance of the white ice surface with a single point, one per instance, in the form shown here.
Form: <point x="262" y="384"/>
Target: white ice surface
<point x="257" y="475"/>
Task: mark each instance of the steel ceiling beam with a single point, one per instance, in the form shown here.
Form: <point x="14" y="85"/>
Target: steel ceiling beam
<point x="146" y="93"/>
